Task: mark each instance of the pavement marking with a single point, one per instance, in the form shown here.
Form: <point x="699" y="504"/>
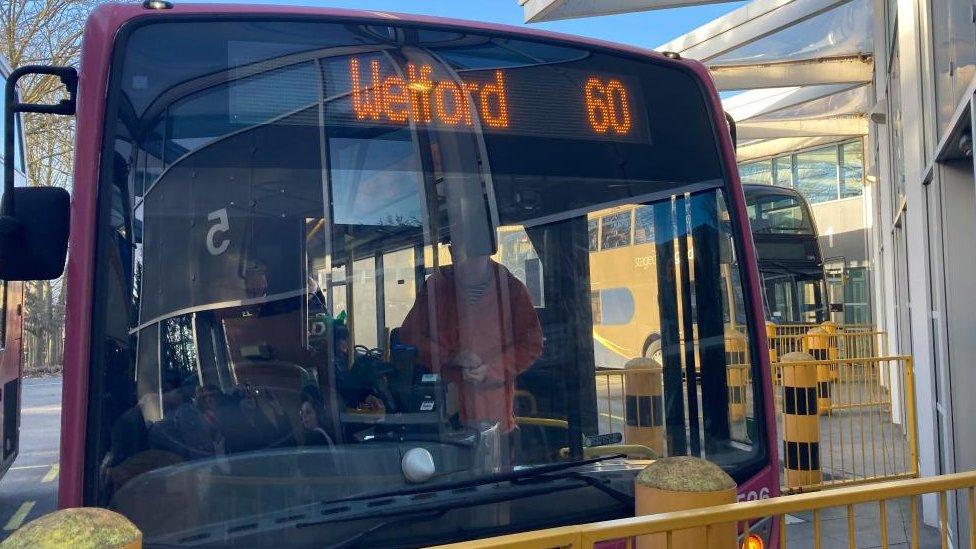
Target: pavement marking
<point x="52" y="473"/>
<point x="49" y="409"/>
<point x="37" y="454"/>
<point x="22" y="467"/>
<point x="19" y="516"/>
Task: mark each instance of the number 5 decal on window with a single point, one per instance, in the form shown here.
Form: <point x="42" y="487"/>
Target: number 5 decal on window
<point x="222" y="225"/>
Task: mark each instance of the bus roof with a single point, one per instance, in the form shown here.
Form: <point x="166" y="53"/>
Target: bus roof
<point x="759" y="189"/>
<point x="113" y="16"/>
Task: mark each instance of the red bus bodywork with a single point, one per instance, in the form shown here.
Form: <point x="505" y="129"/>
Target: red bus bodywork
<point x="97" y="52"/>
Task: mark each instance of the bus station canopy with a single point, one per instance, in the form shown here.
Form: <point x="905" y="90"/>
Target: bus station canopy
<point x="793" y="73"/>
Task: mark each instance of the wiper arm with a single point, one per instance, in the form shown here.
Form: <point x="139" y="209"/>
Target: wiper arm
<point x="359" y="537"/>
<point x="438" y="509"/>
<point x="487" y="479"/>
<point x="407" y="505"/>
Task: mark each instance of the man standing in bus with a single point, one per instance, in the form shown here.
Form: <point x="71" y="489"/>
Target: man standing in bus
<point x="473" y="322"/>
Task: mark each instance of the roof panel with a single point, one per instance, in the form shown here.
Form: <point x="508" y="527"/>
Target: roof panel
<point x="844" y="30"/>
<point x="850" y="102"/>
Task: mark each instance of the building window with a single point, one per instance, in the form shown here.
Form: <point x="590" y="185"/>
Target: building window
<point x="821" y="174"/>
<point x="897" y="152"/>
<point x="857" y="298"/>
<point x="954" y="53"/>
<point x="816" y="174"/>
<point x="644" y="225"/>
<point x="594" y="229"/>
<point x="783" y="171"/>
<point x="851" y="169"/>
<point x="756" y="173"/>
<point x="616" y="230"/>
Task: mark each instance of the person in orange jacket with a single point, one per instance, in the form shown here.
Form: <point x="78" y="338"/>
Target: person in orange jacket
<point x="473" y="322"/>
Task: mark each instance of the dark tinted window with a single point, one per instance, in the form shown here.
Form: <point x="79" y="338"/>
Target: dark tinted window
<point x="778" y="214"/>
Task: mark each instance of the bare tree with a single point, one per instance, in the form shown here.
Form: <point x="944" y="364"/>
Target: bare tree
<point x="44" y="32"/>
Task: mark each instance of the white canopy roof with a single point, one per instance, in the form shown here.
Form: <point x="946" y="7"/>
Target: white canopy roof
<point x="804" y="67"/>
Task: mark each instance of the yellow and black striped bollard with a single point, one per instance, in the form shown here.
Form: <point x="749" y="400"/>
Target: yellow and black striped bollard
<point x="737" y="372"/>
<point x="801" y="422"/>
<point x="644" y="403"/>
<point x="816" y="343"/>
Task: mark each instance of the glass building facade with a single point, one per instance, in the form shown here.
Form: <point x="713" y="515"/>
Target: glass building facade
<point x="822" y="174"/>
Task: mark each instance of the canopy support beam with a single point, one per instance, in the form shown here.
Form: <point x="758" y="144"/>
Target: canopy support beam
<point x="847" y="69"/>
<point x="839" y="126"/>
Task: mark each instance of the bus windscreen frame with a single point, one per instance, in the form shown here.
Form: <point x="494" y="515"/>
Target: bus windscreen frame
<point x="520" y="193"/>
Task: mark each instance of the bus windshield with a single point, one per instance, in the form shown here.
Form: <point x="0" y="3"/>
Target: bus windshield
<point x="347" y="263"/>
<point x="778" y="214"/>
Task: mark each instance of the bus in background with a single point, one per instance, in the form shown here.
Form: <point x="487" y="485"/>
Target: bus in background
<point x="788" y="252"/>
<point x="11" y="314"/>
<point x="266" y="345"/>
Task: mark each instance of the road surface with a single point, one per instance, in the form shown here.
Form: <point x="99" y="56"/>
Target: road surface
<point x="29" y="489"/>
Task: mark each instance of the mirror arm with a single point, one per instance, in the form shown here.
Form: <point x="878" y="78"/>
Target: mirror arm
<point x="69" y="78"/>
<point x="732" y="130"/>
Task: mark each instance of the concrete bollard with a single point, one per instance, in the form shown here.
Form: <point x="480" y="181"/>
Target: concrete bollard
<point x="678" y="484"/>
<point x="801" y="422"/>
<point x="78" y="527"/>
<point x="644" y="404"/>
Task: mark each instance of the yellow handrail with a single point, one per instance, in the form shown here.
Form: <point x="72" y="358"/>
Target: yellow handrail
<point x="585" y="535"/>
<point x="542" y="422"/>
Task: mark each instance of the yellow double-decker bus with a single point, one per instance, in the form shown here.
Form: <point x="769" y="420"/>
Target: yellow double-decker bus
<point x="622" y="278"/>
<point x="623" y="264"/>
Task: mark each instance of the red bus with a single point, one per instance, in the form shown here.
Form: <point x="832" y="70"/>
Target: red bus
<point x="11" y="309"/>
<point x="290" y="320"/>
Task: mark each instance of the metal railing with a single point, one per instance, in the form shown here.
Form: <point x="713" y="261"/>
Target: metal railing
<point x="864" y="425"/>
<point x="800" y="329"/>
<point x="836" y="345"/>
<point x="829" y="529"/>
<point x="866" y="419"/>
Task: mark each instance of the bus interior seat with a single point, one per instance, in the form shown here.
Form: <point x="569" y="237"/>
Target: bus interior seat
<point x="284" y="380"/>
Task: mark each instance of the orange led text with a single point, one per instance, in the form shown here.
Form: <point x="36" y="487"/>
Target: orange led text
<point x="607" y="106"/>
<point x="419" y="98"/>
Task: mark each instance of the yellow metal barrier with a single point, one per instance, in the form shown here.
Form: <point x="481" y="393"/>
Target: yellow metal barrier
<point x="838" y="345"/>
<point x="869" y="432"/>
<point x="876" y="499"/>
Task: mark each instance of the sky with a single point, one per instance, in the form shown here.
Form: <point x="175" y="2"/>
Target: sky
<point x="645" y="29"/>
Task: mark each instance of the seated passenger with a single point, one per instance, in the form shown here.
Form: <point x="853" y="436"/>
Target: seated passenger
<point x="190" y="430"/>
<point x="473" y="322"/>
<point x="312" y="413"/>
<point x="357" y="388"/>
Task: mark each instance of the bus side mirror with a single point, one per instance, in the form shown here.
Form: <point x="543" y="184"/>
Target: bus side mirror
<point x="33" y="220"/>
<point x="34" y="241"/>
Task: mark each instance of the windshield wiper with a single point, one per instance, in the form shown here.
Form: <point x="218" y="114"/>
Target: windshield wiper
<point x="528" y="485"/>
<point x="536" y="471"/>
<point x="405" y="505"/>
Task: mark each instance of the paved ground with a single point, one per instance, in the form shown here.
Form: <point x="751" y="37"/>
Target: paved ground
<point x="29" y="489"/>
